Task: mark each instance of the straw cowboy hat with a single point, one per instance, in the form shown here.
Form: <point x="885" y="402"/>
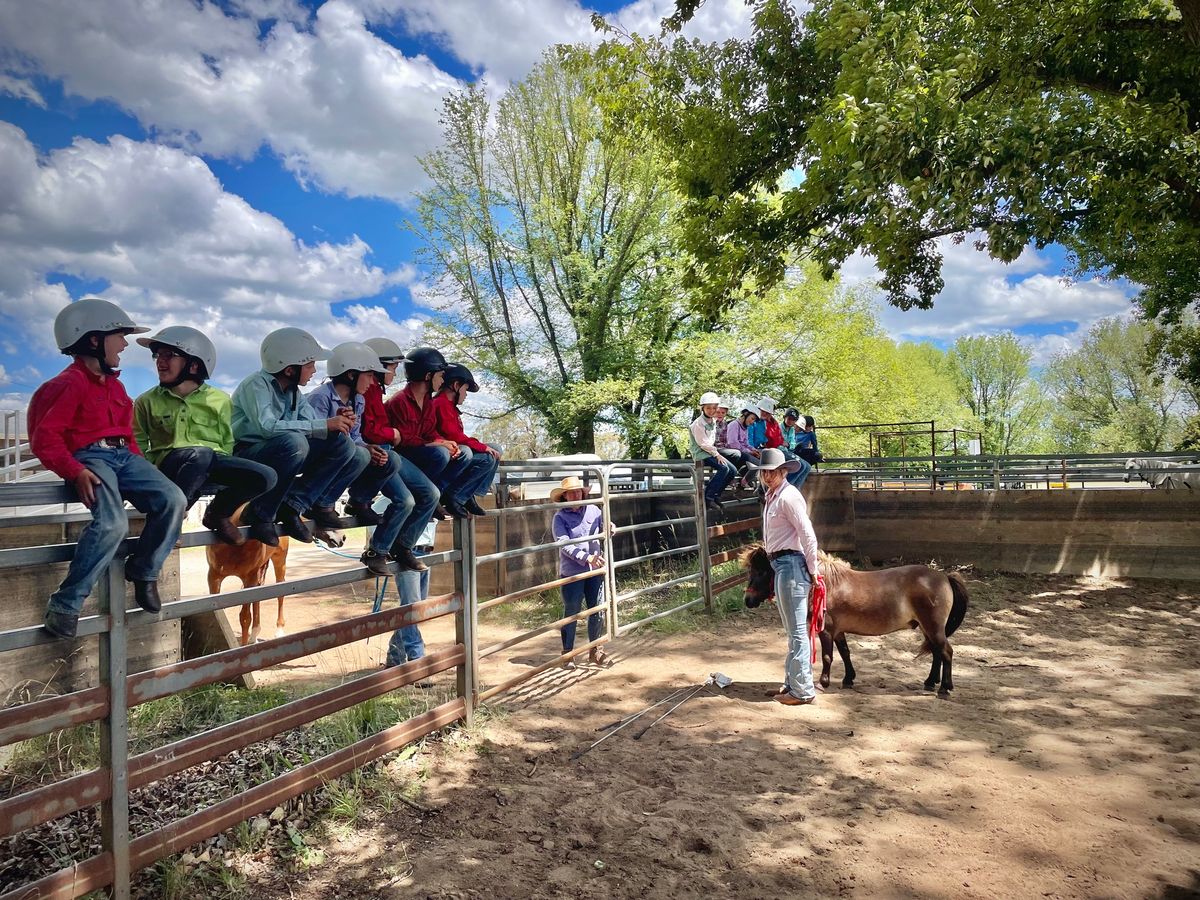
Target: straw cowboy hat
<point x="773" y="458"/>
<point x="570" y="483"/>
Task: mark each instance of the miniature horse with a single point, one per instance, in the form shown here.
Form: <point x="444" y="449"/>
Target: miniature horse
<point x="875" y="603"/>
<point x="248" y="562"/>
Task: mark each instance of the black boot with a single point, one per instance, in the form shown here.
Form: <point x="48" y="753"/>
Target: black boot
<point x="326" y="517"/>
<point x="293" y="526"/>
<point x="364" y="514"/>
<point x="407" y="559"/>
<point x="214" y="520"/>
<point x="61" y="624"/>
<point x="472" y="506"/>
<point x="146" y="595"/>
<point x="376" y="563"/>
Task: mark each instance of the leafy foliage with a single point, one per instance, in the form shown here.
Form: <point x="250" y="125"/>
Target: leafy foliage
<point x="884" y="126"/>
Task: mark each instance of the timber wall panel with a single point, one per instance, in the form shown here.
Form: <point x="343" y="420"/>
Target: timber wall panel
<point x="1144" y="534"/>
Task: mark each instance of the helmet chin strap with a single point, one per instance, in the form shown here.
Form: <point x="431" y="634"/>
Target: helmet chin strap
<point x="185" y="374"/>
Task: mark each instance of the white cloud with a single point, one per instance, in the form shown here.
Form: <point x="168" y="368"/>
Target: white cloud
<point x="983" y="296"/>
<point x="342" y="108"/>
<point x="156" y="223"/>
<point x="21" y="89"/>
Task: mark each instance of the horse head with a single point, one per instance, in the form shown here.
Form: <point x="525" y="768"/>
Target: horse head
<point x="761" y="585"/>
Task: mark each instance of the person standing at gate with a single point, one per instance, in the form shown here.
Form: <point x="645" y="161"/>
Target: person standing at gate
<point x="791" y="545"/>
<point x="81" y="429"/>
<point x="184" y="427"/>
<point x="577" y="559"/>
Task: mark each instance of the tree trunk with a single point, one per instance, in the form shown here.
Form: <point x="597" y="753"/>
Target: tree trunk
<point x="1189" y="11"/>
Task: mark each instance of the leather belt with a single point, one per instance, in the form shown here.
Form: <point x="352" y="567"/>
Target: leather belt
<point x="779" y="554"/>
<point x="111" y="443"/>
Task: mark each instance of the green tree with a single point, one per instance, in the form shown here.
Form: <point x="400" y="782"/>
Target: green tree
<point x="1110" y="396"/>
<point x="995" y="382"/>
<point x="553" y="257"/>
<point x="1024" y="122"/>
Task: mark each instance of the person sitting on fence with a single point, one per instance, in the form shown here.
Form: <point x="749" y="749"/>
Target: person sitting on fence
<point x="183" y="426"/>
<point x="766" y="434"/>
<point x="806" y="442"/>
<point x="791" y="429"/>
<point x="81" y="429"/>
<point x="481" y="460"/>
<point x="722" y="425"/>
<point x="352" y="368"/>
<point x="702" y="437"/>
<point x="411" y="413"/>
<point x="274" y="424"/>
<point x="737" y="438"/>
<point x="378" y="431"/>
<point x="576" y="559"/>
<point x="791" y="545"/>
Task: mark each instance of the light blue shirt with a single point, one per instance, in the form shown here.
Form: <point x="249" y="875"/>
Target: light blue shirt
<point x="262" y="410"/>
<point x="327" y="403"/>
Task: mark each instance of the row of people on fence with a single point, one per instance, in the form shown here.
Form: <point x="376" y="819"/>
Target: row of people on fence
<point x="730" y="447"/>
<point x="274" y="453"/>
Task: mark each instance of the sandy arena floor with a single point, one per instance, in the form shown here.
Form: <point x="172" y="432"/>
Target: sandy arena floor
<point x="1065" y="765"/>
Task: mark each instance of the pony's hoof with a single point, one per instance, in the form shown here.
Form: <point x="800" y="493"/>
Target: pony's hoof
<point x="280" y="632"/>
<point x="824" y="682"/>
<point x="944" y="694"/>
<point x="930" y="685"/>
<point x="847" y="682"/>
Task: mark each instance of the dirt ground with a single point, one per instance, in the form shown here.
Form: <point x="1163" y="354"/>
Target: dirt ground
<point x="1064" y="765"/>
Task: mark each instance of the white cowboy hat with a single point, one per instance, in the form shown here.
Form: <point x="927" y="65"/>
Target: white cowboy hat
<point x="773" y="458"/>
<point x="570" y="483"/>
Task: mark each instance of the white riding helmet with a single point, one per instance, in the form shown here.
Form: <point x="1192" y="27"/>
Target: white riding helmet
<point x="767" y="405"/>
<point x="352" y="356"/>
<point x="749" y="406"/>
<point x="189" y="341"/>
<point x="387" y="349"/>
<point x="90" y="314"/>
<point x="709" y="397"/>
<point x="289" y="347"/>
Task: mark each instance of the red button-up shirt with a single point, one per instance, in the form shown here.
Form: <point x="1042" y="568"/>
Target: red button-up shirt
<point x="416" y="424"/>
<point x="449" y="423"/>
<point x="774" y="432"/>
<point x="73" y="409"/>
<point x="375" y="427"/>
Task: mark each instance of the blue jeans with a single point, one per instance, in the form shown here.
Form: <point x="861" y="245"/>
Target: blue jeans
<point x="326" y="466"/>
<point x="475" y="478"/>
<point x="123" y="476"/>
<point x="573" y="595"/>
<point x="792" y="585"/>
<point x="797" y="478"/>
<point x="406" y="643"/>
<point x="726" y="471"/>
<point x="190" y="468"/>
<point x="434" y="462"/>
<point x="411" y="497"/>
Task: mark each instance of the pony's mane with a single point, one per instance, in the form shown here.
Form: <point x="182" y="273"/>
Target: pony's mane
<point x="748" y="554"/>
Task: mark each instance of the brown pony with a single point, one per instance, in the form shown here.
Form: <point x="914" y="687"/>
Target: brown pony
<point x="248" y="563"/>
<point x="875" y="603"/>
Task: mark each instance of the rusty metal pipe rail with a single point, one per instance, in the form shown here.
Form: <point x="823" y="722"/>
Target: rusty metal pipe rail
<point x="674" y="582"/>
<point x="61" y="798"/>
<point x="96" y="872"/>
<point x="642" y="495"/>
<point x="171" y="679"/>
<point x="540" y="507"/>
<point x="630" y="626"/>
<point x="541" y="629"/>
<point x="32" y="635"/>
<point x="661" y="523"/>
<point x="539" y="588"/>
<point x="537" y="548"/>
<point x="676" y="551"/>
<point x="537" y="670"/>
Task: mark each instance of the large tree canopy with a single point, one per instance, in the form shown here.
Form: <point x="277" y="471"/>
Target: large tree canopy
<point x="885" y="126"/>
<point x="552" y="246"/>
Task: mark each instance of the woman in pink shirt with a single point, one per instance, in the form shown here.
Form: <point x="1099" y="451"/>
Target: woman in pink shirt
<point x="791" y="545"/>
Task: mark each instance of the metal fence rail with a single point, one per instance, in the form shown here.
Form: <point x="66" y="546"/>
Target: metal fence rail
<point x="1044" y="471"/>
<point x="108" y="703"/>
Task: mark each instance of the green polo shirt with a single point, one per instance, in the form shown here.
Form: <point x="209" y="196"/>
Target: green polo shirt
<point x="163" y="421"/>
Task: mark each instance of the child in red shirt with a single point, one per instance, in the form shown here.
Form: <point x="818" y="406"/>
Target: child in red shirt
<point x="481" y="461"/>
<point x="81" y="428"/>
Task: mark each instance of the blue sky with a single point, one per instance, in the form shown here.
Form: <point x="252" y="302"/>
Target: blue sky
<point x="245" y="164"/>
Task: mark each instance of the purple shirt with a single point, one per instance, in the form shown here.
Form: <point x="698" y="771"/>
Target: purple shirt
<point x="577" y="523"/>
<point x="736" y="437"/>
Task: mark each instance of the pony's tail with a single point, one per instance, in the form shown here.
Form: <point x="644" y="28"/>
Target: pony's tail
<point x="958" y="610"/>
